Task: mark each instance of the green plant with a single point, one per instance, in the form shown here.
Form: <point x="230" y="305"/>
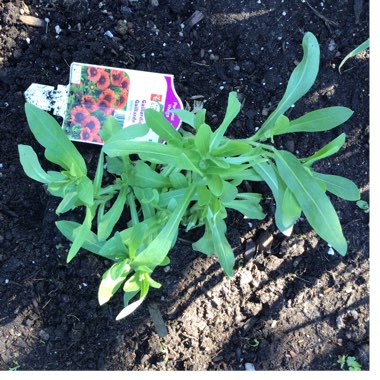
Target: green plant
<point x="15" y="367"/>
<point x="192" y="181"/>
<point x="350" y="361"/>
<point x="356" y="51"/>
<point x="363" y="205"/>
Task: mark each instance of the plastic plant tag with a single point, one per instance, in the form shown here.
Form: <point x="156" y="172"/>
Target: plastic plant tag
<point x="96" y="92"/>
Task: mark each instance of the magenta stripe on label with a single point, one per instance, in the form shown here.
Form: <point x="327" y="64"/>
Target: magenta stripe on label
<point x="172" y="102"/>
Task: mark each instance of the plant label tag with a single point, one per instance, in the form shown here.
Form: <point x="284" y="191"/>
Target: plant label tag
<point x="96" y="92"/>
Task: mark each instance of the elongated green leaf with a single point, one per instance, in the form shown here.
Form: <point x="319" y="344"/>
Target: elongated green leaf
<point x="68" y="202"/>
<point x="159" y="124"/>
<point x="230" y="192"/>
<point x="130" y="309"/>
<point x="281" y="125"/>
<point x="86" y="191"/>
<point x="215" y="184"/>
<point x="110" y="127"/>
<point x="248" y="208"/>
<point x="200" y="118"/>
<point x="107" y="223"/>
<point x="112" y="280"/>
<point x="233" y="108"/>
<point x="31" y="164"/>
<point x="58" y="148"/>
<point x="291" y="210"/>
<point x="299" y="84"/>
<point x="269" y="174"/>
<point x="205" y="244"/>
<point x="316" y="206"/>
<point x="91" y="242"/>
<point x="202" y="139"/>
<point x="144" y="176"/>
<point x="339" y="186"/>
<point x="133" y="283"/>
<point x="357" y="50"/>
<point x="222" y="247"/>
<point x="99" y="173"/>
<point x="231" y="148"/>
<point x="317" y="121"/>
<point x="186" y="116"/>
<point x="81" y="235"/>
<point x="331" y="148"/>
<point x="156" y="251"/>
<point x="114" y="248"/>
<point x="178" y="180"/>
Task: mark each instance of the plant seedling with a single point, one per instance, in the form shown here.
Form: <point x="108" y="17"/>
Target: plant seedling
<point x="192" y="180"/>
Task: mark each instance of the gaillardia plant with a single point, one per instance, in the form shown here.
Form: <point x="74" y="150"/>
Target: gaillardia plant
<point x="191" y="180"/>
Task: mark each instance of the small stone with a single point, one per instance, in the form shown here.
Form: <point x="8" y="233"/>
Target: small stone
<point x="339" y="322"/>
<point x="245" y="277"/>
<point x="58" y="29"/>
<point x="108" y="34"/>
<point x="44" y="335"/>
<point x="249" y="367"/>
<point x="32" y="21"/>
<point x="332" y="45"/>
<point x="121" y="27"/>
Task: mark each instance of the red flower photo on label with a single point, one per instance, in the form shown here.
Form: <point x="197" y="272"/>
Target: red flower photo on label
<point x="93" y="73"/>
<point x="103" y="81"/>
<point x="109" y="96"/>
<point x="89" y="103"/>
<point x="94" y="95"/>
<point x="91" y="123"/>
<point x="116" y="77"/>
<point x="78" y="114"/>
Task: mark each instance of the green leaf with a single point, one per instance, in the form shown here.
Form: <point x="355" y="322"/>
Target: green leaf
<point x="178" y="180"/>
<point x="68" y="202"/>
<point x="281" y="125"/>
<point x="316" y="206"/>
<point x="248" y="208"/>
<point x="222" y="248"/>
<point x="230" y="192"/>
<point x="291" y="210"/>
<point x="186" y="116"/>
<point x="114" y="248"/>
<point x="299" y="84"/>
<point x="91" y="243"/>
<point x="80" y="234"/>
<point x="317" y="121"/>
<point x="215" y="184"/>
<point x="159" y="124"/>
<point x="231" y="148"/>
<point x="130" y="309"/>
<point x="86" y="191"/>
<point x="331" y="148"/>
<point x="151" y="282"/>
<point x="202" y="139"/>
<point x="31" y="164"/>
<point x="205" y="244"/>
<point x="357" y="50"/>
<point x="144" y="176"/>
<point x="115" y="165"/>
<point x="156" y="251"/>
<point x="109" y="219"/>
<point x="270" y="175"/>
<point x="99" y="173"/>
<point x="110" y="128"/>
<point x="58" y="148"/>
<point x="339" y="186"/>
<point x="200" y="118"/>
<point x="233" y="108"/>
<point x="133" y="283"/>
<point x="112" y="280"/>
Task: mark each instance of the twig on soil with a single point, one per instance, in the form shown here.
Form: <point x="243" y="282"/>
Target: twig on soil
<point x="200" y="64"/>
<point x="327" y="21"/>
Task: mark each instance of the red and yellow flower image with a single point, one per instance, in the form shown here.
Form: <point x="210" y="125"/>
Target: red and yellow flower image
<point x="85" y="134"/>
<point x="78" y="114"/>
<point x="92" y="123"/>
<point x="124" y="85"/>
<point x="93" y="73"/>
<point x="89" y="103"/>
<point x="109" y="96"/>
<point x="116" y="77"/>
<point x="123" y="98"/>
<point x="104" y="81"/>
<point x="105" y="107"/>
<point x="92" y="98"/>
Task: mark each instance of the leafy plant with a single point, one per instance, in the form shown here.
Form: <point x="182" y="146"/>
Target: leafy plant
<point x="356" y="51"/>
<point x="350" y="362"/>
<point x="192" y="180"/>
<point x="363" y="205"/>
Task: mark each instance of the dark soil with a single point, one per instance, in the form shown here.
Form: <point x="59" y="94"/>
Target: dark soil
<point x="303" y="306"/>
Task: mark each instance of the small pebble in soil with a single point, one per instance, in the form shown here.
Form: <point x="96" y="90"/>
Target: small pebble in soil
<point x="339" y="322"/>
<point x="58" y="29"/>
<point x="44" y="335"/>
<point x="249" y="367"/>
<point x="108" y="34"/>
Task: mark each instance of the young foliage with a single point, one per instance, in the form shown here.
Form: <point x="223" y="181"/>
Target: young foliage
<point x="190" y="181"/>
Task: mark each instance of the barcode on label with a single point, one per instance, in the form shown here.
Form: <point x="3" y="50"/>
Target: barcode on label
<point x="120" y="117"/>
